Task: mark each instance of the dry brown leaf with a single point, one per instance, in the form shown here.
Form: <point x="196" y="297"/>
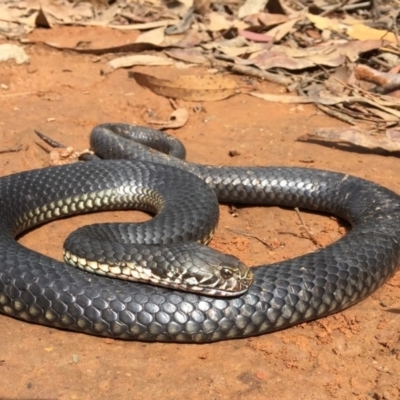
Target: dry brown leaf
<point x="15" y="22"/>
<point x="240" y="51"/>
<point x="327" y="54"/>
<point x="66" y="13"/>
<point x="269" y="20"/>
<point x="251" y="7"/>
<point x="177" y="119"/>
<point x="355" y="136"/>
<point x="201" y="6"/>
<point x="388" y="118"/>
<point x="131" y="27"/>
<point x="192" y="39"/>
<point x="19" y="15"/>
<point x="125" y="48"/>
<point x="108" y="13"/>
<point x="9" y="14"/>
<point x="363" y="32"/>
<point x="275" y="58"/>
<point x="218" y="22"/>
<point x="254" y="36"/>
<point x="136" y="59"/>
<point x="155" y="36"/>
<point x="280" y="31"/>
<point x="237" y="46"/>
<point x="265" y="19"/>
<point x="351" y="50"/>
<point x="354" y="30"/>
<point x="324" y="23"/>
<point x="289" y="99"/>
<point x="189" y="87"/>
<point x="380" y="103"/>
<point x="193" y="55"/>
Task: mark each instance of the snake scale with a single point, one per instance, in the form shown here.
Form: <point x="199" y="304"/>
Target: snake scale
<point x="38" y="289"/>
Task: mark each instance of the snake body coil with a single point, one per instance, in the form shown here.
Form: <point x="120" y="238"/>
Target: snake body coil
<point x="36" y="288"/>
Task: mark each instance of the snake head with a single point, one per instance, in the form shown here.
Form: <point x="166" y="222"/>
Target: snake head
<point x="213" y="273"/>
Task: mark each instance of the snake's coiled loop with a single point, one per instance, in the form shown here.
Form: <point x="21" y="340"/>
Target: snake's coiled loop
<point x="36" y="288"/>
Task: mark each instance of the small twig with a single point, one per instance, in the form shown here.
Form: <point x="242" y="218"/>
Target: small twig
<point x="14" y="149"/>
<point x="16" y="94"/>
<point x="355" y="6"/>
<point x="330" y="9"/>
<point x="345" y="7"/>
<point x="390" y="49"/>
<point x="44" y="148"/>
<point x="50" y="141"/>
<point x="252" y="236"/>
<point x="297" y="3"/>
<point x="252" y="71"/>
<point x="375" y="9"/>
<point x="380" y="62"/>
<point x="305" y="227"/>
<point x="367" y="95"/>
<point x="395" y="28"/>
<point x="337" y="114"/>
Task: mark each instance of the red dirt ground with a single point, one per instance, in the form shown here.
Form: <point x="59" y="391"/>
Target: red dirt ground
<point x="351" y="355"/>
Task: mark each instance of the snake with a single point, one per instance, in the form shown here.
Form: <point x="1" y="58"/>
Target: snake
<point x="38" y="289"/>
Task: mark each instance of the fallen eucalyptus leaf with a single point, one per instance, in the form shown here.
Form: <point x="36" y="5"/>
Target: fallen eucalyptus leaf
<point x="379" y="103"/>
<point x="353" y="30"/>
<point x="177" y="119"/>
<point x="136" y="59"/>
<point x="289" y="99"/>
<point x="189" y="87"/>
<point x="255" y="37"/>
<point x="134" y="27"/>
<point x="125" y="48"/>
<point x="251" y="7"/>
<point x="155" y="36"/>
<point x="192" y="55"/>
<point x="218" y="22"/>
<point x="355" y="136"/>
<point x="280" y="31"/>
<point x="275" y="58"/>
<point x="325" y="23"/>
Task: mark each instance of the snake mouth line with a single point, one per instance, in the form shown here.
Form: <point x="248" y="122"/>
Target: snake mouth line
<point x="207" y="284"/>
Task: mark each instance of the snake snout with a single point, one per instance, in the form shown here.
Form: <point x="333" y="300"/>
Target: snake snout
<point x="219" y="274"/>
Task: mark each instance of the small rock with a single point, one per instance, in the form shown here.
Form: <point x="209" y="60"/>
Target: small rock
<point x="13" y="52"/>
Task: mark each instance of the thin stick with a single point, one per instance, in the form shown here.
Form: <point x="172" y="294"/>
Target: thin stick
<point x="252" y="71"/>
<point x="305" y="227"/>
<point x="337" y="114"/>
<point x="50" y="141"/>
<point x="252" y="236"/>
<point x="14" y="149"/>
<point x="16" y="94"/>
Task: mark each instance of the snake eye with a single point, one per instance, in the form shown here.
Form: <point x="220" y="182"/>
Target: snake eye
<point x="226" y="273"/>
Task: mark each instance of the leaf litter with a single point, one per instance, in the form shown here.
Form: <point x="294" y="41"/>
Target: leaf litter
<point x="344" y="57"/>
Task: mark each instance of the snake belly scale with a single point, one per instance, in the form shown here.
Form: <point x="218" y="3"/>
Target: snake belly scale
<point x="36" y="288"/>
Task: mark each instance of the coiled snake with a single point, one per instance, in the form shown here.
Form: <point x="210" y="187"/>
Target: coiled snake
<point x="36" y="288"/>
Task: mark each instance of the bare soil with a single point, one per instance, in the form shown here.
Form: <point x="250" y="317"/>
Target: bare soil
<point x="351" y="355"/>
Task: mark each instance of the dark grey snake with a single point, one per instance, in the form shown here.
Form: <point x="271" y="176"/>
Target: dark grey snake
<point x="36" y="288"/>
